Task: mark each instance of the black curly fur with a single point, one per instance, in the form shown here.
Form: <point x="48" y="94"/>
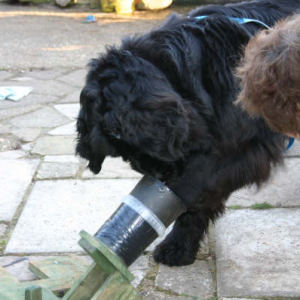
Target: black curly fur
<point x="163" y="101"/>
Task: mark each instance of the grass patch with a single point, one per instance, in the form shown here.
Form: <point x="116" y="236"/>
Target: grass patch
<point x="3" y="244"/>
<point x="261" y="206"/>
<point x="193" y="297"/>
<point x="231" y="207"/>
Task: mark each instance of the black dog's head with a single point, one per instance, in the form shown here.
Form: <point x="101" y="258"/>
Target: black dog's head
<point x="129" y="109"/>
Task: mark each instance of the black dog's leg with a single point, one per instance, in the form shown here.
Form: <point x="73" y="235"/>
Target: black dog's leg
<point x="182" y="244"/>
<point x="204" y="187"/>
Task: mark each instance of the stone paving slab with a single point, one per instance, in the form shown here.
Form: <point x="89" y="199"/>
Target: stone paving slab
<point x="69" y="129"/>
<point x="54" y="145"/>
<point x="51" y="170"/>
<point x="27" y="134"/>
<point x="45" y="117"/>
<point x="72" y="97"/>
<point x="258" y="253"/>
<point x="139" y="269"/>
<point x="281" y="190"/>
<point x="69" y="110"/>
<point x="15" y="177"/>
<point x="12" y="154"/>
<point x="193" y="280"/>
<point x="75" y="78"/>
<point x="56" y="211"/>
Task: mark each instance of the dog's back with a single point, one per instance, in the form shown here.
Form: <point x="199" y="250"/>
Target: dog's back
<point x="268" y="11"/>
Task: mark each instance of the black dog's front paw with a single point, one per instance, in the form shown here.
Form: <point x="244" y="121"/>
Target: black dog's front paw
<point x="172" y="253"/>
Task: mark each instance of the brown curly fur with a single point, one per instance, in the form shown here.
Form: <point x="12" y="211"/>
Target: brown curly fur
<point x="270" y="76"/>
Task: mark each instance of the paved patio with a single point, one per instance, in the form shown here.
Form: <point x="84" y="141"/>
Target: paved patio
<point x="47" y="196"/>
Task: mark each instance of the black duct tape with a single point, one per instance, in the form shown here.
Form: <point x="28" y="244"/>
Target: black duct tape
<point x="127" y="234"/>
<point x="144" y="214"/>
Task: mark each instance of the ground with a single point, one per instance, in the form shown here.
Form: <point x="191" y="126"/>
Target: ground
<point x="48" y="196"/>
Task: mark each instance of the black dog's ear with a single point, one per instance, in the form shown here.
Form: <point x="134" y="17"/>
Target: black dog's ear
<point x="100" y="148"/>
<point x="157" y="126"/>
<point x="95" y="163"/>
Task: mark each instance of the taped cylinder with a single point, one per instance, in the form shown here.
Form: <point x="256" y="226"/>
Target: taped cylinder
<point x="144" y="215"/>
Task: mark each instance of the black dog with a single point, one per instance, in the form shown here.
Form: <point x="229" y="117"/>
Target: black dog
<point x="164" y="102"/>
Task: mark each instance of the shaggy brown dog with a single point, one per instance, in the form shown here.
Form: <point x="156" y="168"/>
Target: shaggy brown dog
<point x="270" y="75"/>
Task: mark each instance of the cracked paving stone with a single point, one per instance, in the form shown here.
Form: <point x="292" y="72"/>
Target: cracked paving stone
<point x="257" y="253"/>
<point x="45" y="117"/>
<point x="27" y="134"/>
<point x="139" y="269"/>
<point x="193" y="280"/>
<point x="16" y="111"/>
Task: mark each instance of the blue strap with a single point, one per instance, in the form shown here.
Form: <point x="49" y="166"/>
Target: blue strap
<point x="290" y="144"/>
<point x="239" y="20"/>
